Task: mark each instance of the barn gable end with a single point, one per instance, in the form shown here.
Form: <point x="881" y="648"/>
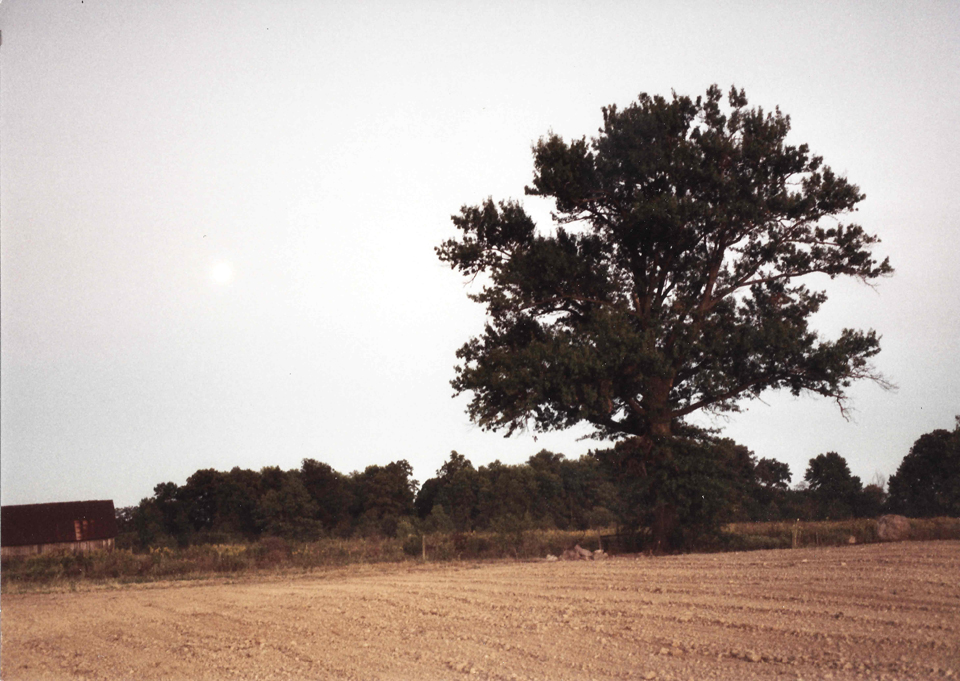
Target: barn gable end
<point x="74" y="526"/>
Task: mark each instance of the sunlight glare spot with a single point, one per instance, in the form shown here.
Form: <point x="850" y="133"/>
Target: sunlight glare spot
<point x="221" y="273"/>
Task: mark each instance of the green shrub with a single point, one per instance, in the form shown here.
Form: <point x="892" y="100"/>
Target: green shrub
<point x="270" y="551"/>
<point x="748" y="536"/>
<point x="514" y="538"/>
<point x="934" y="528"/>
<point x="413" y="545"/>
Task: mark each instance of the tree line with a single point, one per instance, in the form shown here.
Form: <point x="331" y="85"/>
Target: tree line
<point x="672" y="279"/>
<point x="709" y="481"/>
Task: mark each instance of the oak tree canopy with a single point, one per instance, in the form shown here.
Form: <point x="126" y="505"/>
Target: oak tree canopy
<point x="671" y="279"/>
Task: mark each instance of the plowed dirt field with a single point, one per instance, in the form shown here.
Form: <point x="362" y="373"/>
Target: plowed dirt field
<point x="879" y="611"/>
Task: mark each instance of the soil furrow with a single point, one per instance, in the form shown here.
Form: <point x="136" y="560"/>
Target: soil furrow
<point x="862" y="612"/>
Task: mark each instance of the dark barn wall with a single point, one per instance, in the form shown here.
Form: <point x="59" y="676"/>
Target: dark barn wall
<point x="69" y="547"/>
<point x="74" y="526"/>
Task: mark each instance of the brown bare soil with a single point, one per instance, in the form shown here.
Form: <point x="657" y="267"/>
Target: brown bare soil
<point x="876" y="611"/>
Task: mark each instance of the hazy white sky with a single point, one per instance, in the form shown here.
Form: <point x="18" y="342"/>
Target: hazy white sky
<point x="218" y="219"/>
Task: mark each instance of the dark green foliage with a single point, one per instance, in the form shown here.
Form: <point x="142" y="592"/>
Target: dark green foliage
<point x="149" y="524"/>
<point x="548" y="491"/>
<point x="125" y="519"/>
<point x="927" y="483"/>
<point x="571" y="494"/>
<point x="426" y="497"/>
<point x="199" y="496"/>
<point x="289" y="511"/>
<point x="173" y="513"/>
<point x="237" y="501"/>
<point x="709" y="478"/>
<point x="770" y="490"/>
<point x="668" y="285"/>
<point x="127" y="536"/>
<point x="684" y="489"/>
<point x="438" y="522"/>
<point x="383" y="495"/>
<point x="458" y="491"/>
<point x="873" y="498"/>
<point x="332" y="494"/>
<point x="773" y="474"/>
<point x="835" y="491"/>
<point x="505" y="491"/>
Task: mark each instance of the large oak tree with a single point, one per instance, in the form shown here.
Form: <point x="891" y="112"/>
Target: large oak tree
<point x="671" y="280"/>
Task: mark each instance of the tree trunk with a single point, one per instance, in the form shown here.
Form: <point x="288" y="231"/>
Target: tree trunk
<point x="665" y="522"/>
<point x="656" y="404"/>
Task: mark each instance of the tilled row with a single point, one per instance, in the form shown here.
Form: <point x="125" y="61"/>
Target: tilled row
<point x="850" y="612"/>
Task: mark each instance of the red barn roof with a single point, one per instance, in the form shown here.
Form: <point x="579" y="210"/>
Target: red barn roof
<point x="54" y="523"/>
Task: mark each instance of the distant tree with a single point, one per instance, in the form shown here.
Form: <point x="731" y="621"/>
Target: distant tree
<point x="587" y="495"/>
<point x="505" y="491"/>
<point x="872" y="501"/>
<point x="459" y="491"/>
<point x="288" y="511"/>
<point x="698" y="482"/>
<point x="456" y="488"/>
<point x="237" y="501"/>
<point x="773" y="474"/>
<point x="738" y="475"/>
<point x="454" y="464"/>
<point x="201" y="496"/>
<point x="330" y="491"/>
<point x="437" y="521"/>
<point x="927" y="483"/>
<point x="427" y="497"/>
<point x="125" y="519"/>
<point x="835" y="490"/>
<point x="548" y="490"/>
<point x="549" y="504"/>
<point x="272" y="478"/>
<point x="149" y="524"/>
<point x="163" y="517"/>
<point x="383" y="495"/>
<point x="770" y="490"/>
<point x="212" y="505"/>
<point x="671" y="281"/>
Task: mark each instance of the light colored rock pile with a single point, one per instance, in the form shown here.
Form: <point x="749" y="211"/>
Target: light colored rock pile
<point x="893" y="528"/>
<point x="580" y="553"/>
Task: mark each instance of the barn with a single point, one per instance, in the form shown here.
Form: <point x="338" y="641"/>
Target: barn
<point x="74" y="526"/>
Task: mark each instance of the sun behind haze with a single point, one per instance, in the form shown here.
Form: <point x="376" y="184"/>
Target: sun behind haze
<point x="160" y="159"/>
<point x="221" y="273"/>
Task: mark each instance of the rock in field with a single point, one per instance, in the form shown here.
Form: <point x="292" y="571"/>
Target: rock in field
<point x="893" y="528"/>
